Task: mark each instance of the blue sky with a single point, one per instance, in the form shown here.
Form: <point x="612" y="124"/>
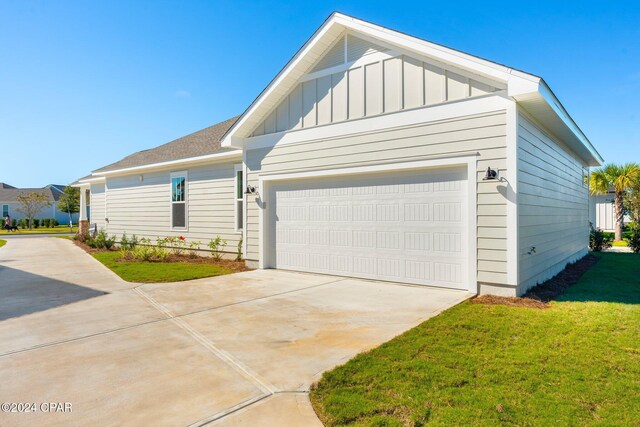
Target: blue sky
<point x="84" y="83"/>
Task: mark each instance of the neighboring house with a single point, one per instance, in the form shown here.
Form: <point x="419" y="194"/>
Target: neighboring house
<point x="366" y="156"/>
<point x="602" y="213"/>
<point x="9" y="203"/>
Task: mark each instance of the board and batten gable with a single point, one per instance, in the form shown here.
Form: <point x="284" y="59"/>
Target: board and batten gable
<point x="142" y="206"/>
<point x="553" y="204"/>
<point x="480" y="130"/>
<point x="369" y="80"/>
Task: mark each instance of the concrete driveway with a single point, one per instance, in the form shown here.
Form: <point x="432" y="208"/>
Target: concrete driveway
<point x="241" y="349"/>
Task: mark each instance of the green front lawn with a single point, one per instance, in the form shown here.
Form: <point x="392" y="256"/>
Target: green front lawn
<point x="620" y="243"/>
<point x="154" y="272"/>
<point x="2" y="243"/>
<point x="41" y="230"/>
<point x="575" y="363"/>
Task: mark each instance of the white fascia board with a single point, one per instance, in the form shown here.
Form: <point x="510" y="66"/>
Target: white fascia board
<point x="236" y="154"/>
<point x="423" y="47"/>
<point x="562" y="113"/>
<point x="89" y="181"/>
<point x="228" y="140"/>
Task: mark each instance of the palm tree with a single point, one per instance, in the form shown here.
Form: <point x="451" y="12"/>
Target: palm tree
<point x="619" y="177"/>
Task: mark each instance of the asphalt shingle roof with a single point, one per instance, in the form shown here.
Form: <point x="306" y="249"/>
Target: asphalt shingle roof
<point x="200" y="143"/>
<point x="11" y="194"/>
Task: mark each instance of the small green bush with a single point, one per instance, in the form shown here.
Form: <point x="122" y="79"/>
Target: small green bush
<point x="23" y="223"/>
<point x="239" y="251"/>
<point x="633" y="237"/>
<point x="36" y="223"/>
<point x="599" y="240"/>
<point x="53" y="222"/>
<point x="14" y="222"/>
<point x="46" y="222"/>
<point x="124" y="242"/>
<point x="217" y="246"/>
<point x="193" y="248"/>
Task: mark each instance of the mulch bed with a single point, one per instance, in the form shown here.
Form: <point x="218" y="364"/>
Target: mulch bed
<point x="539" y="296"/>
<point x="236" y="266"/>
<point x="510" y="301"/>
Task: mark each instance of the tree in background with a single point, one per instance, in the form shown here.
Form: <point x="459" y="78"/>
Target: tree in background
<point x="632" y="202"/>
<point x="31" y="204"/>
<point x="69" y="202"/>
<point x="622" y="178"/>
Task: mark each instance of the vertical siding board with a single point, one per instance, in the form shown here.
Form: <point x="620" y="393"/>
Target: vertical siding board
<point x="356" y="93"/>
<point x="413" y="84"/>
<point x="309" y="98"/>
<point x="324" y="99"/>
<point x="392" y="85"/>
<point x="270" y="123"/>
<point x="339" y="97"/>
<point x="295" y="108"/>
<point x="434" y="84"/>
<point x="282" y="116"/>
<point x="373" y="89"/>
<point x="457" y="87"/>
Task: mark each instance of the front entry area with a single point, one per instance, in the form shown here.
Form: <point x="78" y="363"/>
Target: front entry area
<point x="408" y="227"/>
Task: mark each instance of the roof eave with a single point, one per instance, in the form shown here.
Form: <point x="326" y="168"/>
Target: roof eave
<point x="545" y="107"/>
<point x="223" y="156"/>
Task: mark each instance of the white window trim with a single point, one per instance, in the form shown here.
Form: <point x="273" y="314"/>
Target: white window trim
<point x="238" y="168"/>
<point x="178" y="174"/>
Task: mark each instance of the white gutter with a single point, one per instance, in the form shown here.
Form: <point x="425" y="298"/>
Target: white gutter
<point x="215" y="156"/>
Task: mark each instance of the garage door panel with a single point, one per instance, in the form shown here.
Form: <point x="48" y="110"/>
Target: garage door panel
<point x="406" y="228"/>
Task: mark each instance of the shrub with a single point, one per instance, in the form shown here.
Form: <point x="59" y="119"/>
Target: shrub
<point x="109" y="242"/>
<point x="45" y="222"/>
<point x="599" y="240"/>
<point x="193" y="248"/>
<point x="143" y="251"/>
<point x="133" y="242"/>
<point x="124" y="242"/>
<point x="633" y="239"/>
<point x="24" y="223"/>
<point x="239" y="251"/>
<point x="177" y="244"/>
<point x="14" y="222"/>
<point x="36" y="223"/>
<point x="217" y="246"/>
<point x="53" y="222"/>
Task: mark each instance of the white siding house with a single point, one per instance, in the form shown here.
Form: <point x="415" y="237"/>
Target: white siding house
<point x="374" y="154"/>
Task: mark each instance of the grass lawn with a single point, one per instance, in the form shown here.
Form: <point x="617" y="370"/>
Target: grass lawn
<point x="41" y="230"/>
<point x="152" y="272"/>
<point x="622" y="243"/>
<point x="575" y="363"/>
<point x="2" y="243"/>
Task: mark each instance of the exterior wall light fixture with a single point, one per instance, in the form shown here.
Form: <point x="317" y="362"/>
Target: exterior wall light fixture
<point x="490" y="175"/>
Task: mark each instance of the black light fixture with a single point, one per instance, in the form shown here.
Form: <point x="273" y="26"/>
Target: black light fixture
<point x="490" y="175"/>
<point x="250" y="189"/>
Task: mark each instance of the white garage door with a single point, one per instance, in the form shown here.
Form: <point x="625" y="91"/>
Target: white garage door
<point x="407" y="228"/>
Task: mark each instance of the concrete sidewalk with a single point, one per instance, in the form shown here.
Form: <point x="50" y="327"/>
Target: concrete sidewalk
<point x="241" y="349"/>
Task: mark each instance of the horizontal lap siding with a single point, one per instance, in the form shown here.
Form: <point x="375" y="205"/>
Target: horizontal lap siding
<point x="553" y="206"/>
<point x="483" y="134"/>
<point x="97" y="202"/>
<point x="143" y="207"/>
